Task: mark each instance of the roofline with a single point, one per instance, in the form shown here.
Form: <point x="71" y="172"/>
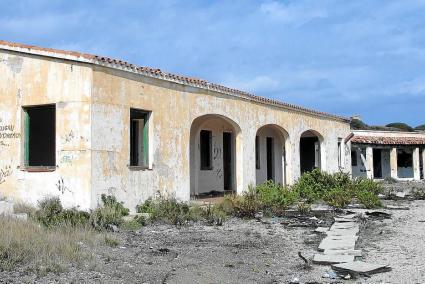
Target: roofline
<point x="158" y="74"/>
<point x="388" y="131"/>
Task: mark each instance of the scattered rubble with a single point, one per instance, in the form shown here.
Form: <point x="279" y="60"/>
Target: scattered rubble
<point x="360" y="268"/>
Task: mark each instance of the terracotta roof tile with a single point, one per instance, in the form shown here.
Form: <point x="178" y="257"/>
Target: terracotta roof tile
<point x="157" y="73"/>
<point x="388" y="140"/>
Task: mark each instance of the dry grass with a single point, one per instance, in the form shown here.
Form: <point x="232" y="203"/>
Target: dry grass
<point x="33" y="247"/>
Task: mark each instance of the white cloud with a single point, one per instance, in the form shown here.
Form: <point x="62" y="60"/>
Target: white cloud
<point x="297" y="13"/>
<point x="258" y="84"/>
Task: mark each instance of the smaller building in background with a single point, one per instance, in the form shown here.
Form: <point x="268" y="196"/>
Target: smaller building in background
<point x="388" y="154"/>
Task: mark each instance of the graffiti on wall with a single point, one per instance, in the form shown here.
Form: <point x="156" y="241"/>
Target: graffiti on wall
<point x="60" y="185"/>
<point x="7" y="133"/>
<point x="4" y="173"/>
<point x="71" y="137"/>
<point x="216" y="155"/>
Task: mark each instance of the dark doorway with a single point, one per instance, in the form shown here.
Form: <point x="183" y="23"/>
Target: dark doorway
<point x="227" y="161"/>
<point x="377" y="163"/>
<point x="308" y="154"/>
<point x="270" y="168"/>
<point x="40" y="136"/>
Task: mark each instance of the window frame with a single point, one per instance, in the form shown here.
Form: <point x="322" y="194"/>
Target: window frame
<point x="25" y="140"/>
<point x="145" y="115"/>
<point x="203" y="166"/>
<point x="354" y="162"/>
<point x="257" y="153"/>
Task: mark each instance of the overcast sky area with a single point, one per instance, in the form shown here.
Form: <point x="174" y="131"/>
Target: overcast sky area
<point x="360" y="57"/>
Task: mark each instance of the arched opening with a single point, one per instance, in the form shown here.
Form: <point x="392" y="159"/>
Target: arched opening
<point x="270" y="154"/>
<point x="214" y="140"/>
<point x="310" y="151"/>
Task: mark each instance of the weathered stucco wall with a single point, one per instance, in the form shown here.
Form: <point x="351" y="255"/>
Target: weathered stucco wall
<point x="27" y="80"/>
<point x="174" y="107"/>
<point x="278" y="155"/>
<point x="92" y="132"/>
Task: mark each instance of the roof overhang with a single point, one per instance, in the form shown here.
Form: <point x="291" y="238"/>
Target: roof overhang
<point x="159" y="74"/>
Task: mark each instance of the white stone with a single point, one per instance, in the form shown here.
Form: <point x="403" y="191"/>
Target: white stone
<point x="361" y="267"/>
<point x="332" y="258"/>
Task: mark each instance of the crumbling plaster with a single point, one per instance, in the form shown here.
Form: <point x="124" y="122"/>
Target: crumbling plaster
<point x="174" y="107"/>
<point x="31" y="80"/>
<point x="92" y="137"/>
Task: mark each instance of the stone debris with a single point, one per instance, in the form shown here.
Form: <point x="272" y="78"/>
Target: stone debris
<point x="360" y="267"/>
<point x="338" y="248"/>
<point x="322" y="230"/>
<point x="332" y="258"/>
<point x="395" y="207"/>
<point x="378" y="214"/>
<point x="6" y="209"/>
<point x="355" y="253"/>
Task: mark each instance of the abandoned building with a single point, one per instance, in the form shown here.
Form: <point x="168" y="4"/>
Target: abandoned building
<point x="388" y="154"/>
<point x="77" y="125"/>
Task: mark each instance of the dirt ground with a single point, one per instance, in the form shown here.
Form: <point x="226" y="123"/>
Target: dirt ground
<point x="246" y="251"/>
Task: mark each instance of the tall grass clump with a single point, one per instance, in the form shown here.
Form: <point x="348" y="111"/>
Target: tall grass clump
<point x="41" y="249"/>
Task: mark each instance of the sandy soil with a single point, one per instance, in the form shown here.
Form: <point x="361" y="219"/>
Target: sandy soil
<point x="399" y="242"/>
<point x="246" y="251"/>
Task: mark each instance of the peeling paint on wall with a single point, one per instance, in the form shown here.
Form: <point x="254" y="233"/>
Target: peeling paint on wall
<point x="15" y="63"/>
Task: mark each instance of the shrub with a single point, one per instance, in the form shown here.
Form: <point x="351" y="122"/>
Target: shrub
<point x="214" y="215"/>
<point x="362" y="184"/>
<point x="111" y="202"/>
<point x="49" y="213"/>
<point x="167" y="211"/>
<point x="304" y="207"/>
<point x="338" y="197"/>
<point x="274" y="198"/>
<point x="110" y="213"/>
<point x="418" y="193"/>
<point x="337" y="189"/>
<point x="313" y="185"/>
<point x="369" y="199"/>
<point x="246" y="205"/>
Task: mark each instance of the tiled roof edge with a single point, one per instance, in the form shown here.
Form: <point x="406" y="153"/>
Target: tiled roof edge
<point x="159" y="74"/>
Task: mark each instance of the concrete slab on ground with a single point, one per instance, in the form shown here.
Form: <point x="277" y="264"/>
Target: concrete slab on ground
<point x="332" y="258"/>
<point x="355" y="253"/>
<point x="337" y="245"/>
<point x="343" y="232"/>
<point x="360" y="267"/>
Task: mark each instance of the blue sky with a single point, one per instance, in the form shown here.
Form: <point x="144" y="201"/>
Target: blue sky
<point x="360" y="57"/>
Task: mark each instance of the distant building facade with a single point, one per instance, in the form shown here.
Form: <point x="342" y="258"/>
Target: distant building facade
<point x="388" y="154"/>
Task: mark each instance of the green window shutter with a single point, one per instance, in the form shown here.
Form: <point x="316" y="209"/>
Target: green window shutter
<point x="146" y="142"/>
<point x="26" y="138"/>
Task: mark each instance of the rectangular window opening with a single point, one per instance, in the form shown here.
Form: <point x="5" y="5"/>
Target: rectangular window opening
<point x="354" y="158"/>
<point x="139" y="138"/>
<point x="257" y="152"/>
<point x="206" y="149"/>
<point x="340" y="152"/>
<point x="39" y="136"/>
<point x="270" y="158"/>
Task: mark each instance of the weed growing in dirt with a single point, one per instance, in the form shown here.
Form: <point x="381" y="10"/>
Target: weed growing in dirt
<point x="51" y="214"/>
<point x="110" y="213"/>
<point x="168" y="211"/>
